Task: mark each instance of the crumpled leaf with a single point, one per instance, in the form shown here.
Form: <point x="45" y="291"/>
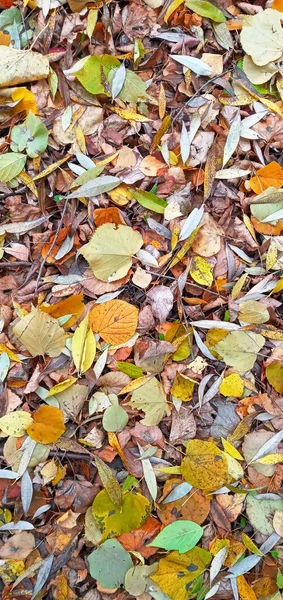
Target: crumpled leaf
<point x="40" y="334"/>
<point x="151" y="399"/>
<point x="115" y="321"/>
<point x="110" y="250"/>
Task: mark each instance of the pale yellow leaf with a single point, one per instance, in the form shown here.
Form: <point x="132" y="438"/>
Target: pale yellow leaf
<point x="40" y="334"/>
<point x="83" y="346"/>
<point x="15" y="423"/>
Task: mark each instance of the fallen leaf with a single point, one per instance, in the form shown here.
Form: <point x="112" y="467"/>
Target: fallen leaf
<point x="115" y="321"/>
<point x="274" y="373"/>
<point x="180" y="535"/>
<point x="201" y="271"/>
<point x="261" y="36"/>
<point x="109" y="564"/>
<point x="232" y="385"/>
<point x="114" y="521"/>
<point x="15" y="423"/>
<point x="190" y="565"/>
<point x="21" y="66"/>
<point x="269" y="176"/>
<point x="83" y="346"/>
<point x="48" y="425"/>
<point x="239" y="349"/>
<point x="151" y="399"/>
<point x="204" y="467"/>
<point x="111" y="260"/>
<point x="18" y="547"/>
<point x="40" y="334"/>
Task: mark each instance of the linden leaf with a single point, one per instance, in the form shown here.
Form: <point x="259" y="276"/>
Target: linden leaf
<point x="232" y="385"/>
<point x="269" y="176"/>
<point x="109" y="564"/>
<point x="261" y="36"/>
<point x="16" y="423"/>
<point x="204" y="467"/>
<point x="252" y="311"/>
<point x="40" y="334"/>
<point x="110" y="250"/>
<point x="201" y="271"/>
<point x="176" y="574"/>
<point x="274" y="375"/>
<point x="151" y="399"/>
<point x="239" y="349"/>
<point x="48" y="425"/>
<point x="114" y="521"/>
<point x="115" y="321"/>
<point x="11" y="164"/>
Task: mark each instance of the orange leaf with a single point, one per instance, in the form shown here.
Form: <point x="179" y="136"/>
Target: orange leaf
<point x="73" y="305"/>
<point x="271" y="175"/>
<point x="267" y="228"/>
<point x="277" y="5"/>
<point x="50" y="254"/>
<point x="48" y="425"/>
<point x="135" y="541"/>
<point x="245" y="590"/>
<point x="5" y="39"/>
<point x="107" y="215"/>
<point x="115" y="321"/>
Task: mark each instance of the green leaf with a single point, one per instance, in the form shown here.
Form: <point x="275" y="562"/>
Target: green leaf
<point x="149" y="200"/>
<point x="279" y="579"/>
<point x="31" y="136"/>
<point x="115" y="418"/>
<point x="89" y="175"/>
<point x="132" y="370"/>
<point x="206" y="9"/>
<point x="109" y="564"/>
<point x="96" y="186"/>
<point x="97" y="73"/>
<point x="180" y="535"/>
<point x="11" y="164"/>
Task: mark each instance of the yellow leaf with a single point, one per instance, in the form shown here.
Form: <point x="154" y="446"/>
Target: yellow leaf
<point x="40" y="334"/>
<point x="28" y="181"/>
<point x="229" y="449"/>
<point x="47" y="426"/>
<point x="60" y="387"/>
<point x="135" y="384"/>
<point x="157" y="138"/>
<point x="278" y="522"/>
<point x="109" y="482"/>
<point x="245" y="590"/>
<point x="51" y="168"/>
<point x="26" y="101"/>
<point x="271" y="255"/>
<point x="10" y="353"/>
<point x="11" y="569"/>
<point x="151" y="399"/>
<point x="235" y="470"/>
<point x="114" y="521"/>
<point x="176" y="573"/>
<point x="249" y="226"/>
<point x="171" y="8"/>
<point x="130" y="115"/>
<point x="16" y="423"/>
<point x="91" y="21"/>
<point x="201" y="271"/>
<point x="183" y="388"/>
<point x="271" y="459"/>
<point x="239" y="349"/>
<point x="61" y="473"/>
<point x="274" y="375"/>
<point x="83" y="346"/>
<point x="115" y="321"/>
<point x="232" y="385"/>
<point x="121" y="195"/>
<point x="204" y="467"/>
<point x="180" y="255"/>
<point x="110" y="250"/>
<point x="239" y="286"/>
<point x="250" y="545"/>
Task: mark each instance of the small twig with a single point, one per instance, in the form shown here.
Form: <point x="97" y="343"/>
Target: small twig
<point x="52" y="245"/>
<point x="196" y="94"/>
<point x="13" y="192"/>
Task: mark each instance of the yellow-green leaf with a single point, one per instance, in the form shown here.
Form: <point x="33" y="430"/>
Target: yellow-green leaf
<point x="109" y="482"/>
<point x="114" y="521"/>
<point x="176" y="573"/>
<point x="204" y="467"/>
<point x="232" y="385"/>
<point x="201" y="271"/>
<point x="15" y="423"/>
<point x="274" y="374"/>
<point x="11" y="164"/>
<point x="83" y="346"/>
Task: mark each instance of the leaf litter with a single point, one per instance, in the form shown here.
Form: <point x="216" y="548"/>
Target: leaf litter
<point x="141" y="333"/>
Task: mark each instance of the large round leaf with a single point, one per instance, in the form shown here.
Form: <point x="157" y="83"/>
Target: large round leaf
<point x="114" y="521"/>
